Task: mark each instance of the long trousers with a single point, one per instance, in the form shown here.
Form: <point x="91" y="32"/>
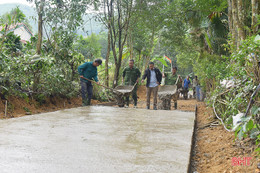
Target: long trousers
<point x="86" y="87"/>
<point x="150" y="90"/>
<point x="134" y="96"/>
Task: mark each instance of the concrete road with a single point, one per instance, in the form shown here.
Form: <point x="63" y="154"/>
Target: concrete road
<point x="97" y="140"/>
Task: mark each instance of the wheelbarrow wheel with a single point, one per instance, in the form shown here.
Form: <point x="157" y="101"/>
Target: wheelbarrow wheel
<point x="185" y="94"/>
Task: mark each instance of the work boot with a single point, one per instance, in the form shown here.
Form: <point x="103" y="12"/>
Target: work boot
<point x="147" y="107"/>
<point x="88" y="102"/>
<point x="175" y="105"/>
<point x="135" y="103"/>
<point x="84" y="102"/>
<point x="154" y="108"/>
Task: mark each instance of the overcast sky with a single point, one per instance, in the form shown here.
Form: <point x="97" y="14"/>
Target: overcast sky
<point x="15" y="1"/>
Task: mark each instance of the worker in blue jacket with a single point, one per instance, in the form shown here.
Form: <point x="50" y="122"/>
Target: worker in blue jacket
<point x="88" y="70"/>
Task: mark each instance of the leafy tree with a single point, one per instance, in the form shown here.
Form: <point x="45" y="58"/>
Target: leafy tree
<point x="15" y="16"/>
<point x="9" y="20"/>
<point x="89" y="47"/>
<point x="116" y="17"/>
<point x="12" y="44"/>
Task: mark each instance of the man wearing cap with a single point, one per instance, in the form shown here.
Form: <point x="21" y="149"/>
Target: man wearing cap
<point x="88" y="70"/>
<point x="173" y="79"/>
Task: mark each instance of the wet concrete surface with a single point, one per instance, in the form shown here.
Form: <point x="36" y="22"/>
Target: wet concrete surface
<point x="97" y="140"/>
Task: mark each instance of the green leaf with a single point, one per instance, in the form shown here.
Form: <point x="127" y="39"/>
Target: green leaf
<point x="254" y="133"/>
<point x="208" y="40"/>
<point x="4" y="88"/>
<point x="257" y="39"/>
<point x="162" y="60"/>
<point x="250" y="125"/>
<point x="236" y="132"/>
<point x="125" y="55"/>
<point x="244" y="128"/>
<point x="240" y="134"/>
<point x="245" y="119"/>
<point x="255" y="110"/>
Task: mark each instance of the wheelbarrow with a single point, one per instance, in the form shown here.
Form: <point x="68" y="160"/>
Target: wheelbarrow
<point x="165" y="94"/>
<point x="122" y="91"/>
<point x="184" y="92"/>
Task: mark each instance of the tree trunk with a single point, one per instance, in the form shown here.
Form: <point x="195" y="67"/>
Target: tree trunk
<point x="113" y="44"/>
<point x="118" y="30"/>
<point x="241" y="19"/>
<point x="230" y="21"/>
<point x="118" y="66"/>
<point x="118" y="63"/>
<point x="107" y="59"/>
<point x="130" y="44"/>
<point x="116" y="75"/>
<point x="240" y="35"/>
<point x="40" y="21"/>
<point x="151" y="49"/>
<point x="234" y="25"/>
<point x="255" y="11"/>
<point x="120" y="36"/>
<point x="139" y="59"/>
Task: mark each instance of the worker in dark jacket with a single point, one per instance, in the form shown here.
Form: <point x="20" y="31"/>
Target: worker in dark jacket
<point x="88" y="70"/>
<point x="154" y="78"/>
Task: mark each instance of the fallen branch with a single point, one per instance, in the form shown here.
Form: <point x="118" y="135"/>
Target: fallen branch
<point x="252" y="99"/>
<point x="220" y="118"/>
<point x="232" y="88"/>
<point x="210" y="124"/>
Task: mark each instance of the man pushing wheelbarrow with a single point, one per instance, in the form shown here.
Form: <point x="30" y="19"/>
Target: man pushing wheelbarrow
<point x="170" y="90"/>
<point x="131" y="77"/>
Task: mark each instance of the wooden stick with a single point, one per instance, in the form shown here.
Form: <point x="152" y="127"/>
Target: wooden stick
<point x="5" y="108"/>
<point x="106" y="86"/>
<point x="97" y="83"/>
<point x="134" y="86"/>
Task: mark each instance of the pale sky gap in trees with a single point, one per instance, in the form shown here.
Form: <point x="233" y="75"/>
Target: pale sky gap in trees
<point x="15" y="1"/>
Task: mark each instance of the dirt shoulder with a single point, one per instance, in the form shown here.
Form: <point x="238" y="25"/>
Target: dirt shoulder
<point x="215" y="147"/>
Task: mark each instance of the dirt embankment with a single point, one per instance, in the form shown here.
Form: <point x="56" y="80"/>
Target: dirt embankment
<point x="17" y="107"/>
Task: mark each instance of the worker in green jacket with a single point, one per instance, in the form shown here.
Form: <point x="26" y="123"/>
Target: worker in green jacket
<point x="88" y="70"/>
<point x="131" y="75"/>
<point x="173" y="79"/>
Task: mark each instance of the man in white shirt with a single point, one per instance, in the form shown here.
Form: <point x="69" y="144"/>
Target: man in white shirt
<point x="154" y="78"/>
